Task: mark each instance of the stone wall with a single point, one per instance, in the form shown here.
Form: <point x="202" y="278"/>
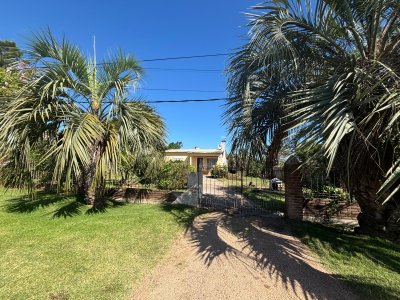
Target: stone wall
<point x="326" y="209"/>
<point x="135" y="195"/>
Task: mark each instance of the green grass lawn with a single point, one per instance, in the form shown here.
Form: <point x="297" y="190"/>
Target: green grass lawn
<point x="272" y="201"/>
<point x="54" y="247"/>
<point x="235" y="180"/>
<point x="370" y="266"/>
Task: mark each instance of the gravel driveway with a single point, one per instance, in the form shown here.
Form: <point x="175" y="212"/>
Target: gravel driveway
<point x="224" y="257"/>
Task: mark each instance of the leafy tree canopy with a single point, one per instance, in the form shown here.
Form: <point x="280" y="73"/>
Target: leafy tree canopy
<point x="175" y="145"/>
<point x="9" y="53"/>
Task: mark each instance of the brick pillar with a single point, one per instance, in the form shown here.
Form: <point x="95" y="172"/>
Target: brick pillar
<point x="293" y="189"/>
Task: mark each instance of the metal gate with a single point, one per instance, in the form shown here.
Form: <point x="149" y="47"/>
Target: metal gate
<point x="238" y="193"/>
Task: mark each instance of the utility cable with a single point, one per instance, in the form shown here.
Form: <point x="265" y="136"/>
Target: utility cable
<point x="185" y="70"/>
<point x="173" y="90"/>
<point x="167" y="101"/>
<point x="186" y="57"/>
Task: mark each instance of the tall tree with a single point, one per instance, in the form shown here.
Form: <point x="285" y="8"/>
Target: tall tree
<point x="329" y="72"/>
<point x="81" y="110"/>
<point x="175" y="145"/>
<point x="9" y="53"/>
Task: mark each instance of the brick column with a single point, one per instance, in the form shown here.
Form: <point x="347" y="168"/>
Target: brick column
<point x="293" y="189"/>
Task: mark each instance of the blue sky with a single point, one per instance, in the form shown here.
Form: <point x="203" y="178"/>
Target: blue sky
<point x="151" y="29"/>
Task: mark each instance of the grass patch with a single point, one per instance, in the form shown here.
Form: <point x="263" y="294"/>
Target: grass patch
<point x="235" y="180"/>
<point x="55" y="247"/>
<point x="370" y="266"/>
<point x="271" y="201"/>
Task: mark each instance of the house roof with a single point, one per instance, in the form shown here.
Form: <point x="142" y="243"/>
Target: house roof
<point x="195" y="151"/>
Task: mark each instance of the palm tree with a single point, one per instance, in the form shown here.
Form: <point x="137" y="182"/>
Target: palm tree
<point x="80" y="110"/>
<point x="327" y="71"/>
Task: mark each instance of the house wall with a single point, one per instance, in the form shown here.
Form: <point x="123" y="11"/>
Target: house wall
<point x="194" y="161"/>
<point x="191" y="158"/>
<point x="177" y="157"/>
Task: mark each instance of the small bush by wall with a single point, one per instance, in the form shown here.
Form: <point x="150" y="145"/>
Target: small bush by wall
<point x="219" y="171"/>
<point x="173" y="175"/>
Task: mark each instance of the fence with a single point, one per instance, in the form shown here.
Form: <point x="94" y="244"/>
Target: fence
<point x="243" y="194"/>
<point x="317" y="196"/>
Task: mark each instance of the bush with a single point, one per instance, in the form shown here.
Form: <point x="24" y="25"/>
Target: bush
<point x="337" y="193"/>
<point x="219" y="171"/>
<point x="173" y="175"/>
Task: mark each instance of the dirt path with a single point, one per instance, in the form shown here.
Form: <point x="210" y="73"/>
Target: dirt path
<point x="224" y="257"/>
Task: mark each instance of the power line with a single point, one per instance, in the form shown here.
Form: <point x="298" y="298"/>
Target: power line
<point x="168" y="101"/>
<point x="187" y="70"/>
<point x="172" y="90"/>
<point x="186" y="57"/>
<point x="186" y="100"/>
<point x="175" y="58"/>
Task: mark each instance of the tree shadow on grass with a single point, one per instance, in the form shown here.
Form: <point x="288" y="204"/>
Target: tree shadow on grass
<point x="69" y="210"/>
<point x="108" y="204"/>
<point x="382" y="252"/>
<point x="31" y="203"/>
<point x="68" y="206"/>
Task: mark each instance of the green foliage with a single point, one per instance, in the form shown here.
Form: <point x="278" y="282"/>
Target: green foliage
<point x="254" y="168"/>
<point x="173" y="175"/>
<point x="174" y="145"/>
<point x="143" y="167"/>
<point x="10" y="82"/>
<point x="242" y="160"/>
<point x="218" y="171"/>
<point x="337" y="193"/>
<point x="314" y="166"/>
<point x="38" y="175"/>
<point x="9" y="53"/>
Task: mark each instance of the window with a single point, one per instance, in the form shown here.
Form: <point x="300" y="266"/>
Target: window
<point x="211" y="162"/>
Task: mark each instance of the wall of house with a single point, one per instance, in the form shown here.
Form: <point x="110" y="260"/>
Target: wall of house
<point x="194" y="160"/>
<point x="177" y="157"/>
<point x="191" y="158"/>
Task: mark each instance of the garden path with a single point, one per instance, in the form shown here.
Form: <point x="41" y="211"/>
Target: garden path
<point x="225" y="257"/>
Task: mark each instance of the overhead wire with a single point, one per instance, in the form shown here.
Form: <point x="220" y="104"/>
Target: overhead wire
<point x="185" y="100"/>
<point x="184" y="69"/>
<point x="186" y="57"/>
<point x="180" y="69"/>
<point x="180" y="90"/>
<point x="176" y="58"/>
<point x="169" y="101"/>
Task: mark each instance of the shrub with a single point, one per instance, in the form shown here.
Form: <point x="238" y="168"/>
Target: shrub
<point x="173" y="175"/>
<point x="219" y="171"/>
<point x="337" y="193"/>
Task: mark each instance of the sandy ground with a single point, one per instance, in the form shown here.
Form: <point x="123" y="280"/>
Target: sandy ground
<point x="224" y="257"/>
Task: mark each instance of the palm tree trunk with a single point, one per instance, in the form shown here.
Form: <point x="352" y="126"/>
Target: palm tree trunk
<point x="273" y="150"/>
<point x="375" y="218"/>
<point x="89" y="187"/>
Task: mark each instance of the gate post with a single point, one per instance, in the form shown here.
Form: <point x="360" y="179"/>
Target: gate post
<point x="293" y="189"/>
<point x="199" y="188"/>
